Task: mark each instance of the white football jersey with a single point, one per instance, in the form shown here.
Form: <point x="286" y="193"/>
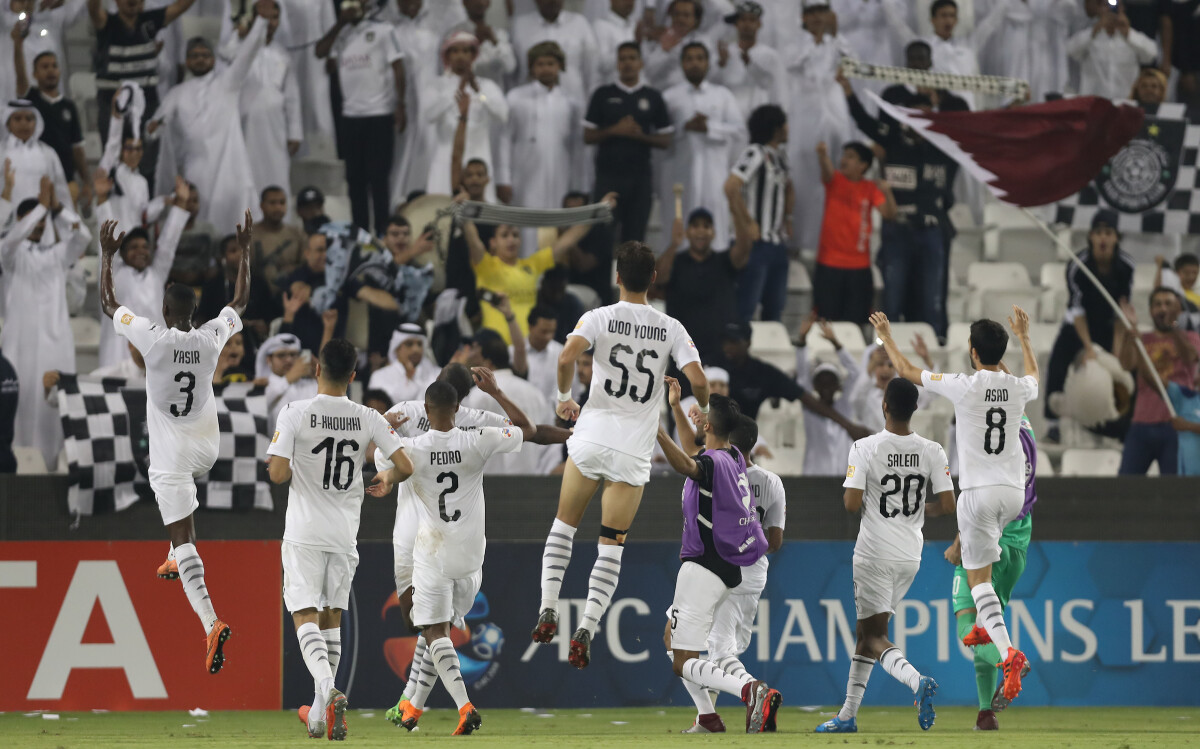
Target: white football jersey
<point x="326" y="438"/>
<point x="898" y="475"/>
<point x="633" y="345"/>
<point x="181" y="411"/>
<point x="987" y="409"/>
<point x="418" y="424"/>
<point x="771" y="502"/>
<point x="448" y="481"/>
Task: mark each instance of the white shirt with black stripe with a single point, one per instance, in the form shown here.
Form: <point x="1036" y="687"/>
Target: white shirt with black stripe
<point x="764" y="173"/>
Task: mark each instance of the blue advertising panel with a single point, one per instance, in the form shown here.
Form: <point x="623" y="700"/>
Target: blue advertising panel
<point x="1102" y="623"/>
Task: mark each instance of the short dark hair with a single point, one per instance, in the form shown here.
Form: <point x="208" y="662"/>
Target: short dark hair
<point x="458" y="376"/>
<point x="723" y="414"/>
<point x="541" y="312"/>
<point x="270" y="189"/>
<point x="901" y="399"/>
<point x="225" y="240"/>
<point x="635" y="265"/>
<point x="546" y="49"/>
<point x="764" y="122"/>
<point x="691" y="45"/>
<point x="697" y="6"/>
<point x="339" y="357"/>
<point x="25" y="206"/>
<point x="478" y="161"/>
<point x="939" y="4"/>
<point x="376" y="395"/>
<point x="398" y="220"/>
<point x="917" y="44"/>
<point x="1163" y="290"/>
<point x="862" y="151"/>
<point x="180" y="300"/>
<point x="629" y="45"/>
<point x="495" y="350"/>
<point x="1186" y="259"/>
<point x="136" y="232"/>
<point x="745" y="435"/>
<point x="441" y="396"/>
<point x="989" y="340"/>
<point x="41" y="55"/>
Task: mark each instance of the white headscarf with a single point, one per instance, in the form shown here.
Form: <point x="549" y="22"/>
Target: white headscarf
<point x="716" y="374"/>
<point x="273" y="345"/>
<point x="403" y="333"/>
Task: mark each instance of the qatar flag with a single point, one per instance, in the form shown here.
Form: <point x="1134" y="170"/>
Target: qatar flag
<point x="1029" y="155"/>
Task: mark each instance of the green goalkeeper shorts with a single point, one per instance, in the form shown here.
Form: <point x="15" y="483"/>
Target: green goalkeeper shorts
<point x="1005" y="573"/>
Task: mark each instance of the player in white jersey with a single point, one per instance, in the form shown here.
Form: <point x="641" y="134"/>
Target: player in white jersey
<point x="448" y="570"/>
<point x="181" y="413"/>
<point x="614" y="436"/>
<point x="987" y="409"/>
<point x="410" y="420"/>
<point x="319" y="444"/>
<point x="888" y="476"/>
<point x="733" y="623"/>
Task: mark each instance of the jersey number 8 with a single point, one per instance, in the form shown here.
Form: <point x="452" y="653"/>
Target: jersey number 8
<point x="997" y="425"/>
<point x="624" y="387"/>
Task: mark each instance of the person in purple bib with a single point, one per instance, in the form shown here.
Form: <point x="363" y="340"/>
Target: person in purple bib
<point x="721" y="535"/>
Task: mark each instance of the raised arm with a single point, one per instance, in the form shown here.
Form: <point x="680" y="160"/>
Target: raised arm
<point x="683" y="425"/>
<point x="475" y="248"/>
<point x="826" y="163"/>
<point x="109" y="243"/>
<point x="1019" y="322"/>
<point x="176" y="9"/>
<point x="235" y="75"/>
<point x="666" y="261"/>
<point x="97" y="13"/>
<point x="22" y="72"/>
<point x="460" y="140"/>
<point x="904" y="368"/>
<point x="680" y="461"/>
<point x="574" y="235"/>
<point x="168" y="240"/>
<point x="486" y="382"/>
<point x="241" y="289"/>
<point x="325" y="45"/>
<point x="567" y="409"/>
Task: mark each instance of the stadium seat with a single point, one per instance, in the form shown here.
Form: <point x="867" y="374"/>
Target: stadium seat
<point x="782" y="429"/>
<point x="848" y="334"/>
<point x="87" y="334"/>
<point x="965" y="248"/>
<point x="798" y="280"/>
<point x="1045" y="469"/>
<point x="1082" y="462"/>
<point x="1143" y="277"/>
<point x="29" y="460"/>
<point x="194" y="24"/>
<point x="1027" y="245"/>
<point x="997" y="215"/>
<point x="91" y="268"/>
<point x="93" y="148"/>
<point x="996" y="287"/>
<point x="1053" y="302"/>
<point x="337" y="207"/>
<point x="82" y="89"/>
<point x="329" y="173"/>
<point x="770" y="342"/>
<point x="903" y="334"/>
<point x="957" y="351"/>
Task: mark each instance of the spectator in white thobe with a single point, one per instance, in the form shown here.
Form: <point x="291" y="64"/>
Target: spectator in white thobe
<point x="540" y="148"/>
<point x="48" y="22"/>
<point x="826" y="444"/>
<point x="541" y="352"/>
<point x="410" y="163"/>
<point x="816" y="111"/>
<point x="752" y="71"/>
<point x="707" y="122"/>
<point x="488" y="111"/>
<point x="1032" y="43"/>
<point x="435" y="16"/>
<point x="574" y="35"/>
<point x="618" y="23"/>
<point x="1110" y="53"/>
<point x="29" y="158"/>
<point x="272" y="121"/>
<point x="408" y="371"/>
<point x="308" y="20"/>
<point x="288" y="374"/>
<point x="496" y="60"/>
<point x="865" y="27"/>
<point x="662" y="69"/>
<point x="118" y="172"/>
<point x="203" y="140"/>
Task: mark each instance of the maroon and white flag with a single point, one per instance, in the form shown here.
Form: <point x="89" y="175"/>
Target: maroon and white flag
<point x="1030" y="155"/>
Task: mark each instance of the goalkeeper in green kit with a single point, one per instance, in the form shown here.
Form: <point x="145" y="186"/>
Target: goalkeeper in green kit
<point x="1013" y="544"/>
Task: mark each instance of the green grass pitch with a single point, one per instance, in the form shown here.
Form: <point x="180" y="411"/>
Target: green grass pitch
<point x="641" y="727"/>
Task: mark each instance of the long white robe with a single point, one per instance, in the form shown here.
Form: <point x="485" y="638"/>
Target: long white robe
<point x="760" y="82"/>
<point x="1031" y="43"/>
<point x="531" y="460"/>
<point x="410" y="163"/>
<point x="487" y="114"/>
<point x="664" y="69"/>
<point x="271" y="114"/>
<point x="37" y="333"/>
<point x="129" y="208"/>
<point x="308" y="21"/>
<point x="574" y="34"/>
<point x="611" y="31"/>
<point x="140" y="291"/>
<point x="279" y="392"/>
<point x="1109" y="63"/>
<point x="816" y="112"/>
<point x="394" y="380"/>
<point x="864" y="25"/>
<point x="205" y="139"/>
<point x="46" y="34"/>
<point x="31" y="160"/>
<point x="541" y="146"/>
<point x="826" y="444"/>
<point x="701" y="161"/>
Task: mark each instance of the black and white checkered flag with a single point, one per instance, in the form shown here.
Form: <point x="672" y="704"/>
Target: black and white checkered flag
<point x="106" y="446"/>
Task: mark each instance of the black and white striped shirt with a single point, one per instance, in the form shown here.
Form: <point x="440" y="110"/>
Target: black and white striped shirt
<point x="764" y="172"/>
<point x="129" y="54"/>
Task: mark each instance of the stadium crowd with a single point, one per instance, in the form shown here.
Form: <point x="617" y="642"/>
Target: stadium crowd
<point x="190" y="111"/>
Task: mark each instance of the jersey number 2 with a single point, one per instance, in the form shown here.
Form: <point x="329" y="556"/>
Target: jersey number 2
<point x="333" y="468"/>
<point x="997" y="425"/>
<point x="186" y="390"/>
<point x="442" y="497"/>
<point x="621" y="389"/>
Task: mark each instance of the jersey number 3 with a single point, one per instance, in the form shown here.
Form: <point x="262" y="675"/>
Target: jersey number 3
<point x="624" y="387"/>
<point x="186" y="390"/>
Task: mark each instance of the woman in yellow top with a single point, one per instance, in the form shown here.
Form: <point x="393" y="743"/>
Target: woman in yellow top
<point x="500" y="268"/>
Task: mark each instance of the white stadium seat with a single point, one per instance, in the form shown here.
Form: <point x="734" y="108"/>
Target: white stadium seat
<point x="29" y="460"/>
<point x="1053" y="302"/>
<point x="848" y="334"/>
<point x="1099" y="462"/>
<point x="770" y="342"/>
<point x="996" y="287"/>
<point x="782" y="429"/>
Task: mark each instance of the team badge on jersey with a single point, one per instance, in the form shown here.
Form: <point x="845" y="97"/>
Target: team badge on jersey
<point x="849" y="472"/>
<point x="506" y="432"/>
<point x="229" y="321"/>
<point x="935" y="377"/>
<point x="579" y="325"/>
<point x="644" y="104"/>
<point x="275" y="438"/>
<point x="948" y="469"/>
<point x="126" y="319"/>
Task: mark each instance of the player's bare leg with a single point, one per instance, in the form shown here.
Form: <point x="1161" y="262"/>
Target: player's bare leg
<point x="619" y="506"/>
<point x="191" y="573"/>
<point x="991" y="613"/>
<point x="327" y="699"/>
<point x="445" y="660"/>
<point x="573" y="499"/>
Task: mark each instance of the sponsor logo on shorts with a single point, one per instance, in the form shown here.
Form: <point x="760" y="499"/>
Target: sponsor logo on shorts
<point x="126" y="319"/>
<point x="935" y="377"/>
<point x="849" y="472"/>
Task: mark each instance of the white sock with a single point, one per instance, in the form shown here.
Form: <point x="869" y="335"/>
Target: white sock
<point x="191" y="574"/>
<point x="734" y="667"/>
<point x="333" y="642"/>
<point x="426" y="677"/>
<point x="415" y="668"/>
<point x="991" y="616"/>
<point x="170" y="551"/>
<point x="898" y="667"/>
<point x="706" y="674"/>
<point x="860" y="672"/>
<point x="316" y="656"/>
<point x="601" y="585"/>
<point x="701" y="696"/>
<point x="445" y="660"/>
<point x="555" y="558"/>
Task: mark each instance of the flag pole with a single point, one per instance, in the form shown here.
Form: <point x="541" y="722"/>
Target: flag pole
<point x="1064" y="250"/>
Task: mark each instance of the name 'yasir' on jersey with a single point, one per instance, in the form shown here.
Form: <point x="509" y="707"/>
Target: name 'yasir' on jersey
<point x="633" y="344"/>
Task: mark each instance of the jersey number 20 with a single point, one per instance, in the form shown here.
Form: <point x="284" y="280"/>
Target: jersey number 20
<point x="624" y="387"/>
<point x="907" y="483"/>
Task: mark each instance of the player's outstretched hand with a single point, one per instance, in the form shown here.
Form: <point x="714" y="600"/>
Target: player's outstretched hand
<point x="485" y="380"/>
<point x="382" y="484"/>
<point x="673" y="391"/>
<point x="1019" y="322"/>
<point x="883" y="328"/>
<point x="567" y="410"/>
<point x="246" y="231"/>
<point x="109" y="242"/>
